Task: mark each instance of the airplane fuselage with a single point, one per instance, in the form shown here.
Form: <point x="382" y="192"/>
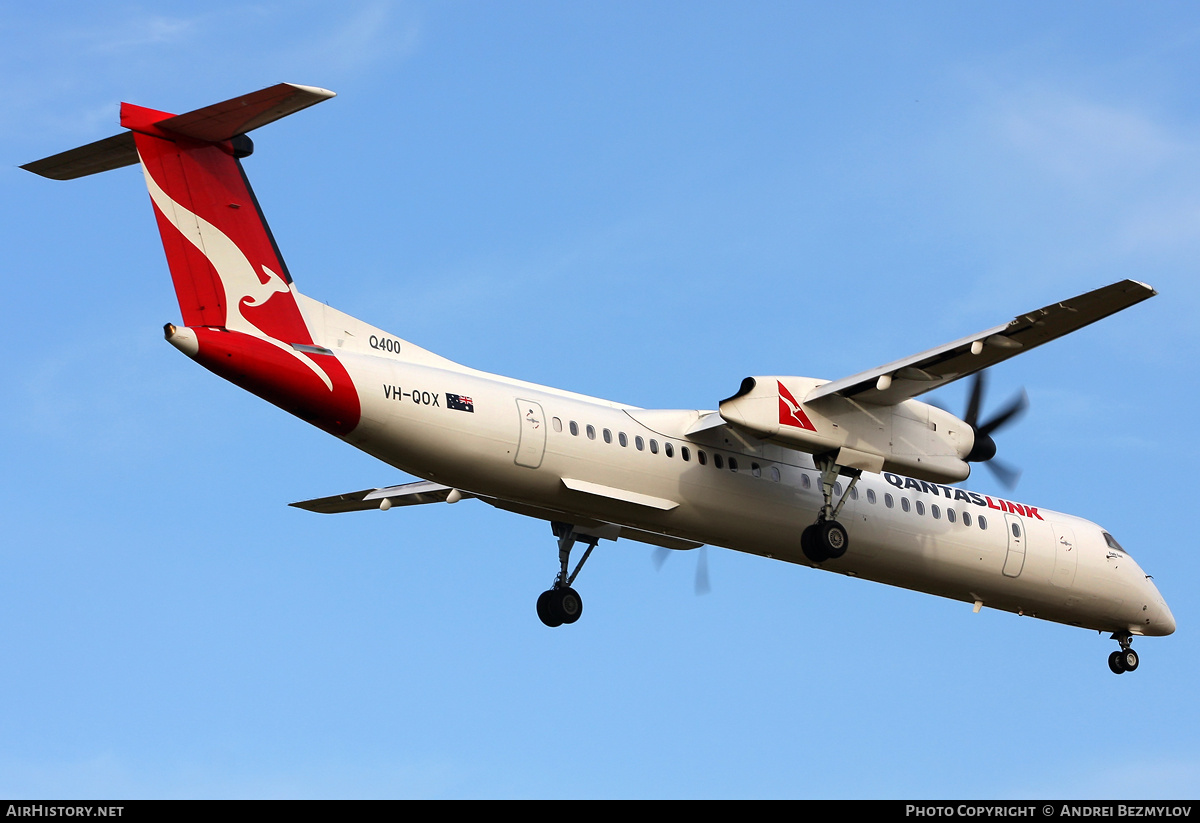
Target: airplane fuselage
<point x="683" y="476"/>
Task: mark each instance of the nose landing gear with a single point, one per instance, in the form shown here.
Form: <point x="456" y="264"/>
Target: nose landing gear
<point x="1126" y="659"/>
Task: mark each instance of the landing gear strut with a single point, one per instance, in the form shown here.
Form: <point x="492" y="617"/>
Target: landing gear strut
<point x="560" y="603"/>
<point x="827" y="539"/>
<point x="1125" y="660"/>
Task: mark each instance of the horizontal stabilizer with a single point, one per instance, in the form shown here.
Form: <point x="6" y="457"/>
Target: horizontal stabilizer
<point x="407" y="494"/>
<point x="211" y="124"/>
<point x="103" y="155"/>
<point x="223" y="121"/>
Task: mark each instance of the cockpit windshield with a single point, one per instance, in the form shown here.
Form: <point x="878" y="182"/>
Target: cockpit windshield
<point x="1113" y="544"/>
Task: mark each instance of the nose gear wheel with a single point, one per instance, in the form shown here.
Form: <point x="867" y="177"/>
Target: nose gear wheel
<point x="1126" y="659"/>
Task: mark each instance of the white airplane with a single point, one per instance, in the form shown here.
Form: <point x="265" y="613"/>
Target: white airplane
<point x="761" y="474"/>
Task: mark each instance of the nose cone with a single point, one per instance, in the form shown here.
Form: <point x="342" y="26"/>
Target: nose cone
<point x="1162" y="622"/>
<point x="1157" y="618"/>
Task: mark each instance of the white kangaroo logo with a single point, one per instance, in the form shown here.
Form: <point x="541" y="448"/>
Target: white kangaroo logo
<point x="241" y="282"/>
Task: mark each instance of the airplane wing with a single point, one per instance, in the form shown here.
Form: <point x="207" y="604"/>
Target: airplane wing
<point x="407" y="494"/>
<point x="426" y="491"/>
<point x="932" y="369"/>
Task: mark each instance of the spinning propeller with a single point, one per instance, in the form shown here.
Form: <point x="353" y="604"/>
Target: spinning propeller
<point x="702" y="584"/>
<point x="984" y="450"/>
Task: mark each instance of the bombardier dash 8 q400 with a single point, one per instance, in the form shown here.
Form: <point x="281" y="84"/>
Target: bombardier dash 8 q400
<point x="851" y="476"/>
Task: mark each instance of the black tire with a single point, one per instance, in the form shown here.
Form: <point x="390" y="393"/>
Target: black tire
<point x="568" y="605"/>
<point x="1129" y="660"/>
<point x="546" y="611"/>
<point x="1116" y="663"/>
<point x="811" y="546"/>
<point x="833" y="538"/>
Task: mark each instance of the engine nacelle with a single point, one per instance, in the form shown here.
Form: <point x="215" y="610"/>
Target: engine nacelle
<point x="911" y="438"/>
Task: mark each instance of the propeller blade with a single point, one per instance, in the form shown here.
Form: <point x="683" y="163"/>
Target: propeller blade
<point x="702" y="584"/>
<point x="1007" y="474"/>
<point x="659" y="557"/>
<point x="976" y="400"/>
<point x="1014" y="409"/>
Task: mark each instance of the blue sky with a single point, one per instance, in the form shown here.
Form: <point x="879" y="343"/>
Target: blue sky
<point x="645" y="202"/>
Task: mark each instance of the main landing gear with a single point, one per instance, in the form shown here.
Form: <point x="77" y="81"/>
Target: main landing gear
<point x="827" y="539"/>
<point x="1125" y="660"/>
<point x="561" y="604"/>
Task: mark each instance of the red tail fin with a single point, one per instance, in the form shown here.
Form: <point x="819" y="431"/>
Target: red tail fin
<point x="234" y="290"/>
<point x="227" y="270"/>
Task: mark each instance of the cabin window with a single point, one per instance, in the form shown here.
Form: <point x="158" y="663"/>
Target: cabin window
<point x="982" y="522"/>
<point x="756" y="470"/>
<point x="607" y="436"/>
<point x="887" y="500"/>
<point x="904" y="504"/>
<point x="871" y="496"/>
<point x="623" y="439"/>
<point x="574" y="428"/>
<point x="556" y="423"/>
<point x="854" y="493"/>
<point x="668" y="449"/>
<point x="702" y="457"/>
<point x="718" y="461"/>
<point x="950" y="515"/>
<point x="733" y="464"/>
<point x="653" y="446"/>
<point x="775" y="473"/>
<point x="837" y="488"/>
<point x="920" y="508"/>
<point x="966" y="518"/>
<point x="639" y="442"/>
<point x="685" y="453"/>
<point x="1016" y="530"/>
<point x="805" y="481"/>
<point x="936" y="512"/>
<point x="591" y="432"/>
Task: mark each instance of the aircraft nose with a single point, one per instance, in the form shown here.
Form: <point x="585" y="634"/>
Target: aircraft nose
<point x="1163" y="622"/>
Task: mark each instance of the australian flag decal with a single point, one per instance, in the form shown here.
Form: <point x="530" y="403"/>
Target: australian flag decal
<point x="460" y="403"/>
